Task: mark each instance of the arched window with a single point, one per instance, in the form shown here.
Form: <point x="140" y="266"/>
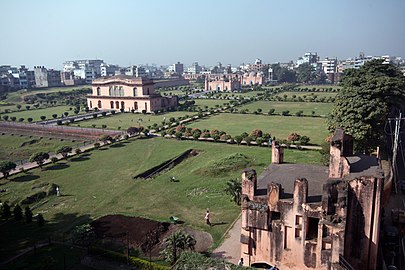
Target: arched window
<point x="122" y="105"/>
<point x="91" y="104"/>
<point x="136" y="105"/>
<point x="110" y="91"/>
<point x="134" y="91"/>
<point x="112" y="104"/>
<point x="99" y="104"/>
<point x="117" y="105"/>
<point x="98" y="91"/>
<point x="121" y="90"/>
<point x="146" y="106"/>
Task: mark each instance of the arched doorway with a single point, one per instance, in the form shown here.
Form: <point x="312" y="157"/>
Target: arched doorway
<point x="112" y="104"/>
<point x="99" y="104"/>
<point x="122" y="105"/>
<point x="117" y="105"/>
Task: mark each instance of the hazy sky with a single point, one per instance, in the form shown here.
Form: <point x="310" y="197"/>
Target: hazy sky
<point x="40" y="32"/>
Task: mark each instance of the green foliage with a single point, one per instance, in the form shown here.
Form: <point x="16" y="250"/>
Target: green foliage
<point x="325" y="153"/>
<point x="40" y="220"/>
<point x="39" y="158"/>
<point x="306" y="73"/>
<point x="196" y="261"/>
<point x="17" y="212"/>
<point x="368" y="96"/>
<point x="294" y="137"/>
<point x="138" y="263"/>
<point x="83" y="235"/>
<point x="5" y="210"/>
<point x="64" y="151"/>
<point x="6" y="167"/>
<point x="28" y="215"/>
<point x="175" y="244"/>
<point x="234" y="189"/>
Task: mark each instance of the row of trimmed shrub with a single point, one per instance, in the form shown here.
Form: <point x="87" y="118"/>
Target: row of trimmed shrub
<point x="137" y="262"/>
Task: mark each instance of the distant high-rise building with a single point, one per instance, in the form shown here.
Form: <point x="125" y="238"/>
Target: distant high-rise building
<point x="46" y="77"/>
<point x="85" y="69"/>
<point x="107" y="70"/>
<point x="194" y="69"/>
<point x="178" y="68"/>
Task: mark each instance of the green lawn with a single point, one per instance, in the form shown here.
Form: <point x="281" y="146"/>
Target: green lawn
<point x="246" y="94"/>
<point x="126" y="120"/>
<point x="17" y="148"/>
<point x="102" y="183"/>
<point x="322" y="109"/>
<point x="201" y="103"/>
<point x="307" y="94"/>
<point x="35" y="114"/>
<point x="18" y="96"/>
<point x="278" y="126"/>
<point x="172" y="92"/>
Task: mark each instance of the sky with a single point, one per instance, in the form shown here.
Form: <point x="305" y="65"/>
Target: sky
<point x="131" y="32"/>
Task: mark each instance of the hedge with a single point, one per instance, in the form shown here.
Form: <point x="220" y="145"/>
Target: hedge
<point x="137" y="262"/>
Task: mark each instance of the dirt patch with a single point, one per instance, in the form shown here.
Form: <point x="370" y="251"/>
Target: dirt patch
<point x="142" y="233"/>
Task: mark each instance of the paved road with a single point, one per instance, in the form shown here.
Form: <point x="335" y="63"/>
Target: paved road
<point x="230" y="248"/>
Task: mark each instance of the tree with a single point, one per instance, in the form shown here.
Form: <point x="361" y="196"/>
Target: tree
<point x="83" y="235"/>
<point x="29" y="119"/>
<point x="40" y="220"/>
<point x="7" y="166"/>
<point x="175" y="244"/>
<point x="18" y="106"/>
<point x="17" y="212"/>
<point x="5" y="210"/>
<point x="54" y="116"/>
<point x="293" y="137"/>
<point x="13" y="118"/>
<point x="39" y="158"/>
<point x="5" y="117"/>
<point x="66" y="114"/>
<point x="304" y="140"/>
<point x="306" y="73"/>
<point x="132" y="131"/>
<point x="106" y="138"/>
<point x="234" y="189"/>
<point x="364" y="103"/>
<point x="28" y="214"/>
<point x="54" y="160"/>
<point x="64" y="151"/>
<point x="238" y="139"/>
<point x="43" y="117"/>
<point x="28" y="107"/>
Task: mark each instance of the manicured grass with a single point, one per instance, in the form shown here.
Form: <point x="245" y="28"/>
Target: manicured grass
<point x="307" y="94"/>
<point x="18" y="96"/>
<point x="322" y="109"/>
<point x="201" y="103"/>
<point x="322" y="86"/>
<point x="172" y="92"/>
<point x="17" y="148"/>
<point x="278" y="126"/>
<point x="35" y="114"/>
<point x="245" y="94"/>
<point x="126" y="120"/>
<point x="102" y="183"/>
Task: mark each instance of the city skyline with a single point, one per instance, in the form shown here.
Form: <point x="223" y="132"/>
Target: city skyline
<point x="231" y="32"/>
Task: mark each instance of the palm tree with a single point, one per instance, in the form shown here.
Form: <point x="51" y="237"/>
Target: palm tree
<point x="234" y="189"/>
<point x="175" y="243"/>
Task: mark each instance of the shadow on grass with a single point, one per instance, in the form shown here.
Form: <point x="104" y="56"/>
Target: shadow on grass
<point x="218" y="223"/>
<point x="19" y="235"/>
<point x="58" y="166"/>
<point x="25" y="178"/>
<point x="81" y="158"/>
<point x="117" y="145"/>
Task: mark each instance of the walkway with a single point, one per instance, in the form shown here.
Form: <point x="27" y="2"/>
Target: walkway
<point x="230" y="248"/>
